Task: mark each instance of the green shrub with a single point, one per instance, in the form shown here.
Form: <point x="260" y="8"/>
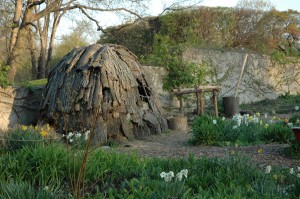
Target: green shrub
<point x="277" y="132"/>
<point x="207" y="130"/>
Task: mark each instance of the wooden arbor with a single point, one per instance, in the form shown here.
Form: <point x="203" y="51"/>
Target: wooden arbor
<point x="199" y="91"/>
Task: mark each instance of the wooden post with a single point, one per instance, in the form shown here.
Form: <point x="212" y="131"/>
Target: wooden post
<point x="180" y="102"/>
<point x="202" y="103"/>
<point x="215" y="100"/>
<point x="241" y="75"/>
<point x="198" y="102"/>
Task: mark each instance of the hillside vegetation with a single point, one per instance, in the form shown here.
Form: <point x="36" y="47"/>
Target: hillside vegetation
<point x="268" y="32"/>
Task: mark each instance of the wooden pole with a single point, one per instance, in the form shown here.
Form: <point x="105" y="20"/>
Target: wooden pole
<point x="202" y="103"/>
<point x="180" y="102"/>
<point x="241" y="75"/>
<point x="215" y="100"/>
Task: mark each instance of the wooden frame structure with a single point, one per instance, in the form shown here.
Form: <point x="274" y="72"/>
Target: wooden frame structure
<point x="199" y="91"/>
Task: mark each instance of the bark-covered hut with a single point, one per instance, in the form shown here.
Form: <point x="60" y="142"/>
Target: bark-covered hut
<point x="104" y="79"/>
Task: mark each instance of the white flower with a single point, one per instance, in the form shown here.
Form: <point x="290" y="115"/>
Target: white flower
<point x="70" y="140"/>
<point x="46" y="188"/>
<point x="70" y="134"/>
<point x="234" y="127"/>
<point x="169" y="176"/>
<point x="179" y="176"/>
<point x="86" y="134"/>
<point x="214" y="121"/>
<point x="184" y="172"/>
<point x="296" y="108"/>
<point x="223" y="118"/>
<point x="298" y="169"/>
<point x="268" y="169"/>
<point x="292" y="171"/>
<point x="290" y="124"/>
<point x="266" y="116"/>
<point x="298" y="175"/>
<point x="163" y="174"/>
<point x="78" y="135"/>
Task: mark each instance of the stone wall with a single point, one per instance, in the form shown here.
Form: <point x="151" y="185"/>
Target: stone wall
<point x="262" y="78"/>
<point x="19" y="105"/>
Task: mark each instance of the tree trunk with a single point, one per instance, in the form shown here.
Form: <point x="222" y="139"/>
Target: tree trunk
<point x="16" y="24"/>
<point x="43" y="31"/>
<point x="33" y="55"/>
<point x="56" y="20"/>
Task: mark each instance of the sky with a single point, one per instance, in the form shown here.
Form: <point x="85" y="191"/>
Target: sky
<point x="157" y="6"/>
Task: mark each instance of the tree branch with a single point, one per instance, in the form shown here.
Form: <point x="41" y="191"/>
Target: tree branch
<point x="36" y="3"/>
<point x="99" y="28"/>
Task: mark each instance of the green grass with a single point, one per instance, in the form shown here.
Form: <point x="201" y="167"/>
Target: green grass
<point x="46" y="172"/>
<point x="33" y="83"/>
<point x="284" y="104"/>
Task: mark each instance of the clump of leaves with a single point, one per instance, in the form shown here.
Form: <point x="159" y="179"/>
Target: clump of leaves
<point x="4" y="82"/>
<point x="182" y="73"/>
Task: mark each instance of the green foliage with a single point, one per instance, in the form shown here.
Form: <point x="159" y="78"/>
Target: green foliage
<point x="182" y="73"/>
<point x="293" y="150"/>
<point x="19" y="190"/>
<point x="34" y="83"/>
<point x="225" y="29"/>
<point x="46" y="169"/>
<point x="242" y="130"/>
<point x="277" y="132"/>
<point x="3" y="76"/>
<point x="295" y="119"/>
<point x="21" y="136"/>
<point x="283" y="104"/>
<point x="207" y="130"/>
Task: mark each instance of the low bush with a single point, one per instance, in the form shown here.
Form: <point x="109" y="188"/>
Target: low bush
<point x="243" y="130"/>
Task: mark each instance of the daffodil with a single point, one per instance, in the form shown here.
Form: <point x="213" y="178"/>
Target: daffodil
<point x="232" y="152"/>
<point x="259" y="151"/>
<point x="24" y="128"/>
<point x="44" y="133"/>
<point x="257" y="114"/>
<point x="286" y="120"/>
<point x="266" y="126"/>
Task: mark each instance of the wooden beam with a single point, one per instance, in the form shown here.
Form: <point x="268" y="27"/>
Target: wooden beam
<point x="198" y="90"/>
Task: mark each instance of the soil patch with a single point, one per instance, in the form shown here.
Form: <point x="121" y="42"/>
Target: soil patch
<point x="175" y="145"/>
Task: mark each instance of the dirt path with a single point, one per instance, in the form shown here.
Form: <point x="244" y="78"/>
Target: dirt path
<point x="175" y="144"/>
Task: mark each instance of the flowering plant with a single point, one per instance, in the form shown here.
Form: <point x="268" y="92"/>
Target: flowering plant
<point x="22" y="135"/>
<point x="77" y="138"/>
<point x="174" y="188"/>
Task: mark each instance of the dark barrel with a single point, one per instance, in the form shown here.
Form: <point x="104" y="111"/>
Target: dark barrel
<point x="231" y="106"/>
